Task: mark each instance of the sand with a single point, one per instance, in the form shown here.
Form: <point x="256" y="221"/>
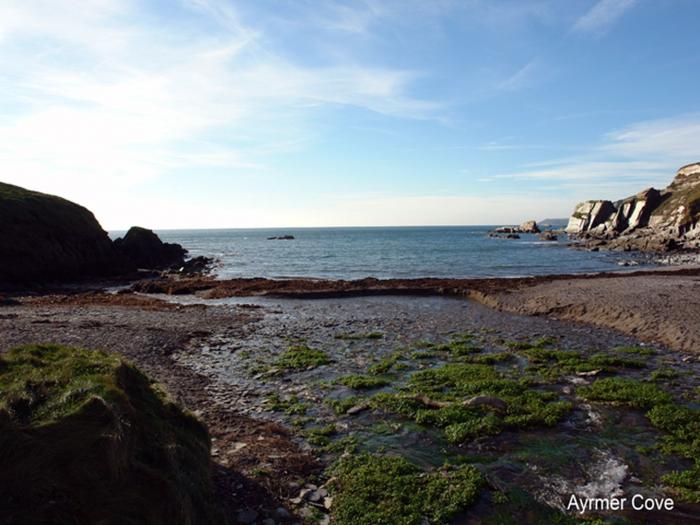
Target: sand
<point x="662" y="308"/>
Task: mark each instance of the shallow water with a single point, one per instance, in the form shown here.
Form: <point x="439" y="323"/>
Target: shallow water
<point x="595" y="452"/>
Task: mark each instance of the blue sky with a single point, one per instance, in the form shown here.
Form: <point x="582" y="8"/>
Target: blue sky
<point x="223" y="113"/>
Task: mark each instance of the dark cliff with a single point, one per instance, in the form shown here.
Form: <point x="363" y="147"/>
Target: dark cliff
<point x="44" y="238"/>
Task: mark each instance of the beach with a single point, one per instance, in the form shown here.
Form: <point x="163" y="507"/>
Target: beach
<point x="219" y="348"/>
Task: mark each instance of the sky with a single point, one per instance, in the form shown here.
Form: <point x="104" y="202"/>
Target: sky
<point x="281" y="113"/>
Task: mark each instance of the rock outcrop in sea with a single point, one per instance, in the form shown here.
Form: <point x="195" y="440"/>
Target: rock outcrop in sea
<point x="144" y="249"/>
<point x="513" y="232"/>
<point x="652" y="220"/>
<point x="44" y="238"/>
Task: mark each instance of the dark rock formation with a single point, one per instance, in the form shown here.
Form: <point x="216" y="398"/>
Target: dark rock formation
<point x="281" y="238"/>
<point x="45" y="238"/>
<point x="86" y="438"/>
<point x="142" y="248"/>
<point x="548" y="236"/>
<point x="652" y="220"/>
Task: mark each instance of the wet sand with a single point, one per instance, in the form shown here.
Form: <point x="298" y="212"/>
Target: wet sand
<point x="661" y="308"/>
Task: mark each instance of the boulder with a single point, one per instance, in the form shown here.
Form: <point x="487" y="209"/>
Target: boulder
<point x="142" y="248"/>
<point x="548" y="236"/>
<point x="46" y="238"/>
<point x="529" y="227"/>
<point x="86" y="438"/>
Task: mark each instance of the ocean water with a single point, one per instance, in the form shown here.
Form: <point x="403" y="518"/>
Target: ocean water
<point x="401" y="252"/>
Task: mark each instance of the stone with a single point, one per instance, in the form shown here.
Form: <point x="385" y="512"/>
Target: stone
<point x="548" y="236"/>
<point x="357" y="409"/>
<point x="488" y="401"/>
<point x="529" y="227"/>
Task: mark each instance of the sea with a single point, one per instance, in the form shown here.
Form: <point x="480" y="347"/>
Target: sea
<point x="397" y="252"/>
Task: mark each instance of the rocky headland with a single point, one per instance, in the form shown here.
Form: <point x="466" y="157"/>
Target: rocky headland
<point x="50" y="239"/>
<point x="650" y="221"/>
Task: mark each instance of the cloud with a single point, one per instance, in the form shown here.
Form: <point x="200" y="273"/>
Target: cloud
<point x="106" y="94"/>
<point x="602" y="16"/>
<point x="675" y="138"/>
<point x="628" y="159"/>
<point x="527" y="76"/>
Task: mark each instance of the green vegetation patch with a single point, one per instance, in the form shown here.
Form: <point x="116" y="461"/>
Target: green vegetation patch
<point x="98" y="436"/>
<point x="638" y="394"/>
<point x="638" y="350"/>
<point x="371" y="489"/>
<point x="471" y="400"/>
<point x="363" y="382"/>
<point x="552" y="363"/>
<point x="341" y="406"/>
<point x="682" y="427"/>
<point x="386" y="363"/>
<point x="359" y="337"/>
<point x="299" y="357"/>
<point x="680" y="424"/>
<point x="291" y="405"/>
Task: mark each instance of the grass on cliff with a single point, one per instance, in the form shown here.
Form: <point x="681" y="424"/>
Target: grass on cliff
<point x="371" y="489"/>
<point x="85" y="437"/>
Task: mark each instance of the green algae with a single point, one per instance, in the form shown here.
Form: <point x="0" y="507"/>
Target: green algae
<point x="635" y="393"/>
<point x="439" y="397"/>
<point x="299" y="357"/>
<point x="341" y="406"/>
<point x="291" y="405"/>
<point x="638" y="350"/>
<point x="680" y="424"/>
<point x="370" y="489"/>
<point x="386" y="363"/>
<point x="360" y="337"/>
<point x="363" y="382"/>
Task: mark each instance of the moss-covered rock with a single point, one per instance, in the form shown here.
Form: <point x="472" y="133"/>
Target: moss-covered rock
<point x="86" y="438"/>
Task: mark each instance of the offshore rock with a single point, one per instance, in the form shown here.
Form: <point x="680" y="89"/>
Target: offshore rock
<point x="144" y="249"/>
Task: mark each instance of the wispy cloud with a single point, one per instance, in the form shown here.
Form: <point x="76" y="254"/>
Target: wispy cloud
<point x="106" y="90"/>
<point x="628" y="159"/>
<point x="527" y="76"/>
<point x="602" y="16"/>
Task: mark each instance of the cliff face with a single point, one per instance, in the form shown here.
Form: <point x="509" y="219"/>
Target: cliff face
<point x="43" y="238"/>
<point x="652" y="220"/>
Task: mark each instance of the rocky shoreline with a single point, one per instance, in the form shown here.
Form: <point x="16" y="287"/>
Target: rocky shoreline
<point x="651" y="221"/>
<point x="238" y="356"/>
